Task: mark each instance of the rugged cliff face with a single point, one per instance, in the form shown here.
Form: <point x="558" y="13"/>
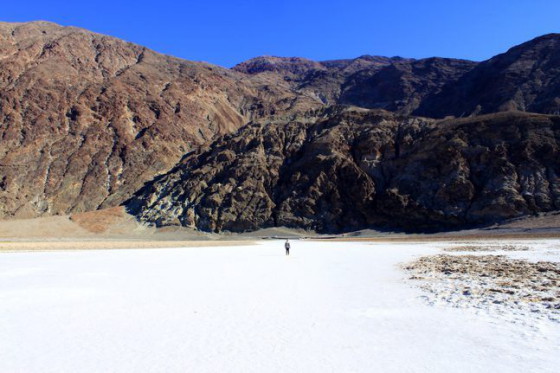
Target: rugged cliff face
<point x="344" y="169"/>
<point x="86" y="119"/>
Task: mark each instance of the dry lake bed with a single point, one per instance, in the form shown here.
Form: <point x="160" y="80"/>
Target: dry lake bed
<point x="328" y="307"/>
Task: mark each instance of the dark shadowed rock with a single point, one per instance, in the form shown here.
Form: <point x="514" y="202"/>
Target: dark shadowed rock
<point x="322" y="81"/>
<point x="403" y="85"/>
<point x="395" y="84"/>
<point x="341" y="169"/>
<point x="525" y="78"/>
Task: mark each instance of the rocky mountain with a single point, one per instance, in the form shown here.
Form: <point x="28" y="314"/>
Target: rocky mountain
<point x="525" y="78"/>
<point x="343" y="169"/>
<point x="86" y="119"/>
<point x="403" y="85"/>
<point x="395" y="84"/>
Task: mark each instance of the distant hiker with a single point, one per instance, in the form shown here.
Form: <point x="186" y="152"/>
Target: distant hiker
<point x="287" y="247"/>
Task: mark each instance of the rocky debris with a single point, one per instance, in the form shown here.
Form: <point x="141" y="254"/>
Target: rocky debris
<point x="490" y="282"/>
<point x="86" y="119"/>
<point x="477" y="248"/>
<point x="344" y="169"/>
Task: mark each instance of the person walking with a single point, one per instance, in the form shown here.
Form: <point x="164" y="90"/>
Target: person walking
<point x="287" y="247"/>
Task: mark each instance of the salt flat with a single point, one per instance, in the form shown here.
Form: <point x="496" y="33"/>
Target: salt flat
<point x="329" y="307"/>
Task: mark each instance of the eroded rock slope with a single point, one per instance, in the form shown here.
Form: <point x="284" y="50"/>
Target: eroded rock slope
<point x="86" y="119"/>
<point x="343" y="169"/>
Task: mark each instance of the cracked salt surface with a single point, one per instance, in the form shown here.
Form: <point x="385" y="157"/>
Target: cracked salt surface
<point x="328" y="307"/>
<point x="514" y="281"/>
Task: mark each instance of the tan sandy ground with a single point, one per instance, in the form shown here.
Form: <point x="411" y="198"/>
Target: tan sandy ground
<point x="108" y="245"/>
<point x="452" y="237"/>
<point x="115" y="229"/>
<point x="105" y="229"/>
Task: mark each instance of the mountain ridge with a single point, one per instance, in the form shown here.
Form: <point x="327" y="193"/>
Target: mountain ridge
<point x="89" y="121"/>
<point x="524" y="78"/>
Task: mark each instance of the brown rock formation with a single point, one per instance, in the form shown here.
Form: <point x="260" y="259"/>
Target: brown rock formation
<point x="394" y="84"/>
<point x="86" y="119"/>
<point x="346" y="169"/>
<point x="402" y="86"/>
<point x="525" y="78"/>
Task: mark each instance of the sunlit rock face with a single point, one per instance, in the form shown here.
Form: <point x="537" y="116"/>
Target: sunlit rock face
<point x="86" y="119"/>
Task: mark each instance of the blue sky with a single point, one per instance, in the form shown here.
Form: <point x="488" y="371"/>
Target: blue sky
<point x="228" y="32"/>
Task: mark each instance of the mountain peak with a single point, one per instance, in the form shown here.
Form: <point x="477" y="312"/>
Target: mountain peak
<point x="294" y="65"/>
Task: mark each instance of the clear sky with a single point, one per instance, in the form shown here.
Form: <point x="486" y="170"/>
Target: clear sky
<point x="228" y="32"/>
